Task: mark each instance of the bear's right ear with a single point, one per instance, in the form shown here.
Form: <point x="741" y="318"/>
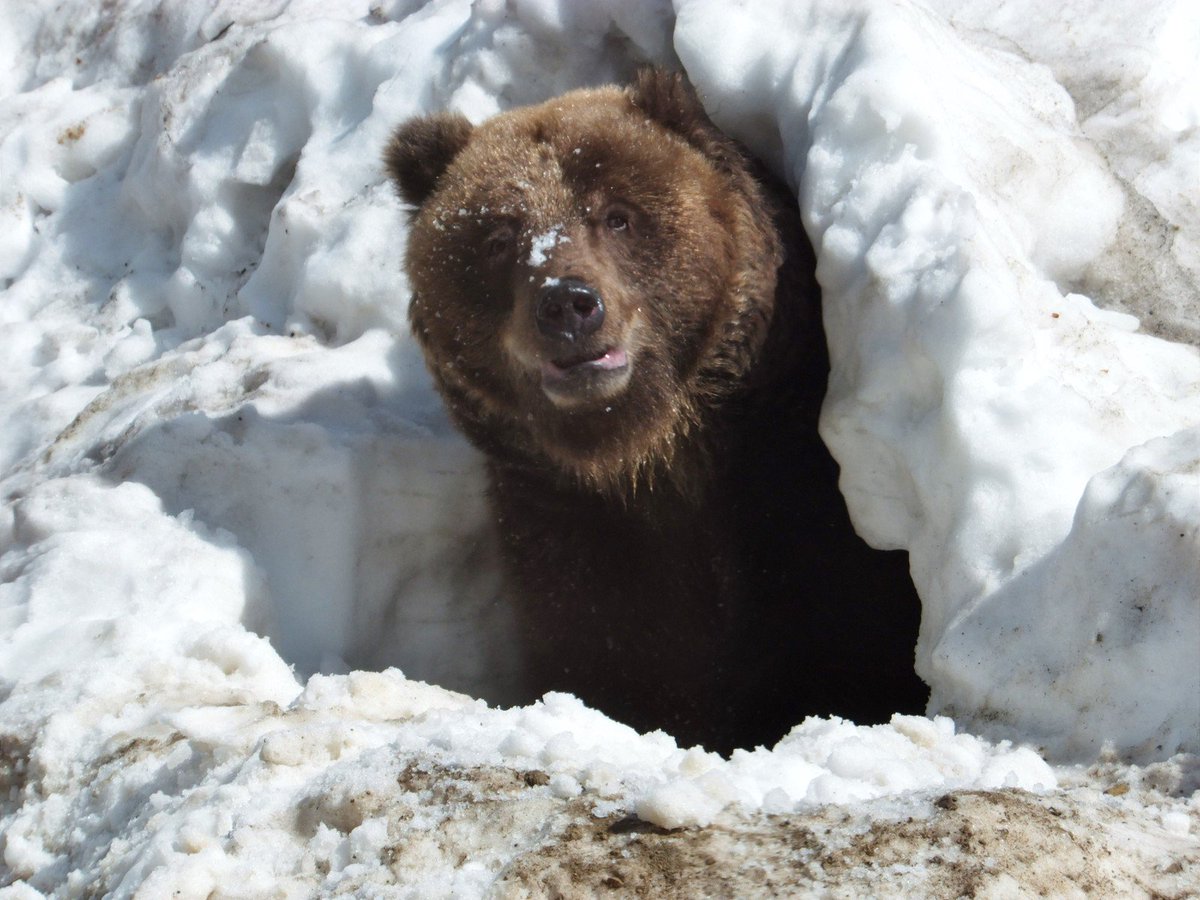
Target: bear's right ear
<point x="668" y="99"/>
<point x="421" y="149"/>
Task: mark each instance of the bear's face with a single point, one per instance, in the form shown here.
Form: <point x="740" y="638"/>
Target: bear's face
<point x="585" y="275"/>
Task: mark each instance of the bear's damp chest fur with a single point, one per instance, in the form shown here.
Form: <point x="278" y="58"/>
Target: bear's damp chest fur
<point x="697" y="613"/>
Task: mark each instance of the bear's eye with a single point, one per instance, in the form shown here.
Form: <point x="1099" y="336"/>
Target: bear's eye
<point x="616" y="221"/>
<point x="497" y="244"/>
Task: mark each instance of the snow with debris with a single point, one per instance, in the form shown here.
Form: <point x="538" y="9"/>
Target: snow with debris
<point x="232" y="508"/>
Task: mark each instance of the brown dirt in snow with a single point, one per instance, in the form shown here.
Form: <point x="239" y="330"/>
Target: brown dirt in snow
<point x="969" y="844"/>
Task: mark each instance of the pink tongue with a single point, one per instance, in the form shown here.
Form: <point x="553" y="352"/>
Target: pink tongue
<point x="614" y="358"/>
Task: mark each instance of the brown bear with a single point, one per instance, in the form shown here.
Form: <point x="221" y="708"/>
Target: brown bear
<point x="619" y="308"/>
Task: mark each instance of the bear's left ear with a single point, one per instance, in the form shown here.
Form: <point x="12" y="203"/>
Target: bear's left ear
<point x="421" y="149"/>
<point x="668" y="99"/>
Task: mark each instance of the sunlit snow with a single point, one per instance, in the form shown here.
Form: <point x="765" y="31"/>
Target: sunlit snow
<point x="232" y="509"/>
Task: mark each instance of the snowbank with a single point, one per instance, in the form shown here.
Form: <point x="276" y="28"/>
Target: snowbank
<point x="220" y="457"/>
<point x="1037" y="455"/>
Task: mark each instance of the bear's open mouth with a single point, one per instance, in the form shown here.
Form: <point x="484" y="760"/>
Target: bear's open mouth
<point x="574" y="377"/>
<point x="606" y="360"/>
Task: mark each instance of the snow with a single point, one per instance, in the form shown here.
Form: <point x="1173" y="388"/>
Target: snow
<point x="541" y="245"/>
<point x="982" y="409"/>
<point x="231" y="505"/>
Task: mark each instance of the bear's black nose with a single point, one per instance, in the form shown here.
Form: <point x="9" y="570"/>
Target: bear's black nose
<point x="568" y="308"/>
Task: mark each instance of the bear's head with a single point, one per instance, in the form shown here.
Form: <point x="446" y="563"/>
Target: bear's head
<point x="591" y="276"/>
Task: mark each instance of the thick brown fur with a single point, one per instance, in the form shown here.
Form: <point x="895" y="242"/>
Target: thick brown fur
<point x="678" y="553"/>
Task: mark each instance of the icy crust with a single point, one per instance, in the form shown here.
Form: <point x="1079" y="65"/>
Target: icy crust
<point x="222" y="466"/>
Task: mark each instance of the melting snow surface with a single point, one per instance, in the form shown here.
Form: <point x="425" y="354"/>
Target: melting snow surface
<point x="223" y="468"/>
